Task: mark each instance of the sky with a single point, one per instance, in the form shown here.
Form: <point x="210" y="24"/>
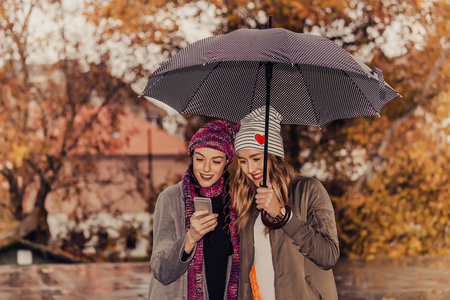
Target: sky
<point x="77" y="29"/>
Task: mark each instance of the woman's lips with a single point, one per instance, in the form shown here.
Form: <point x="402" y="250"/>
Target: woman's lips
<point x="206" y="177"/>
<point x="257" y="177"/>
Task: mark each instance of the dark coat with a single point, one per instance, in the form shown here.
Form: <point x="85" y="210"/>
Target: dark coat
<point x="303" y="253"/>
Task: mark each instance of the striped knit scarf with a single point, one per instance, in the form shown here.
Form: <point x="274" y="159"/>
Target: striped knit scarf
<point x="195" y="269"/>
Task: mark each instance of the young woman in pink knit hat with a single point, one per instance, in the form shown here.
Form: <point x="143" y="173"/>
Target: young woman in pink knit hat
<point x="195" y="255"/>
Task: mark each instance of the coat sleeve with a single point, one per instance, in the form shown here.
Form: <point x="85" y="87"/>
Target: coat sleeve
<point x="168" y="244"/>
<point x="317" y="238"/>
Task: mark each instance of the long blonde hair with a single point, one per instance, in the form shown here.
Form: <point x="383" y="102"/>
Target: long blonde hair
<point x="280" y="174"/>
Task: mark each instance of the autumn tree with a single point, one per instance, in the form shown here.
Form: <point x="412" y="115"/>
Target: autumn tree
<point x="42" y="104"/>
<point x="399" y="205"/>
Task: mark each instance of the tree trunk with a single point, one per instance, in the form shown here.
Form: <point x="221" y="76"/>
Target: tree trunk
<point x="16" y="196"/>
<point x="42" y="233"/>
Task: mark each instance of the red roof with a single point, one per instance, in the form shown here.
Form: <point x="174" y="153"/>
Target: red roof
<point x="131" y="136"/>
<point x="139" y="137"/>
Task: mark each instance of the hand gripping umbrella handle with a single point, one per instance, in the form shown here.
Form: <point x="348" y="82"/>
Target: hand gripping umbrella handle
<point x="277" y="224"/>
<point x="277" y="221"/>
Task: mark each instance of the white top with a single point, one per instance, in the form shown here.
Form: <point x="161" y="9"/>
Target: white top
<point x="265" y="276"/>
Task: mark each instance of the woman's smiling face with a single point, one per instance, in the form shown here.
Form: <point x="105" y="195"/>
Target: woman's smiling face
<point x="208" y="165"/>
<point x="251" y="163"/>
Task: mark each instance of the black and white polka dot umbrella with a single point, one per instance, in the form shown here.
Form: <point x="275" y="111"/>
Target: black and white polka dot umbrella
<point x="308" y="79"/>
<point x="313" y="80"/>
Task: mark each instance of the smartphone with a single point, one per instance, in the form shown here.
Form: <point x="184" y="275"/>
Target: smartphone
<point x="203" y="203"/>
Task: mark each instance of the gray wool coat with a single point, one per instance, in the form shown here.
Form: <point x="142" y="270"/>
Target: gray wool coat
<point x="169" y="272"/>
<point x="169" y="278"/>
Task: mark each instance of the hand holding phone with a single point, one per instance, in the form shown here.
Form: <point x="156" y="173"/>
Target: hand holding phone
<point x="201" y="223"/>
<point x="203" y="203"/>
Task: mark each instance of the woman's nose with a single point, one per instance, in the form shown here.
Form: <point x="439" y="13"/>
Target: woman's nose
<point x="207" y="166"/>
<point x="251" y="167"/>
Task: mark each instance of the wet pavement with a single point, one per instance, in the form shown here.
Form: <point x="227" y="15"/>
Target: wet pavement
<point x="412" y="278"/>
<point x="75" y="281"/>
<point x="417" y="278"/>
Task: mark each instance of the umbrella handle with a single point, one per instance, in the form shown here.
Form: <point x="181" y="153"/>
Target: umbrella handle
<point x="278" y="224"/>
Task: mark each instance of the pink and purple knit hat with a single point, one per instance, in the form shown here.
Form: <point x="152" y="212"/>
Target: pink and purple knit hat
<point x="218" y="135"/>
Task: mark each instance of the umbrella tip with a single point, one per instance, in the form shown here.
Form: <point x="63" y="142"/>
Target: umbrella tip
<point x="270" y="22"/>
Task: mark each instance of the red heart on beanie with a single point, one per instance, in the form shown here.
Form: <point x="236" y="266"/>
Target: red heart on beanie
<point x="259" y="138"/>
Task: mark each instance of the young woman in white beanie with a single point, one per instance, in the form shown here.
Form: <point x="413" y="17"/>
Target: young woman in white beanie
<point x="295" y="260"/>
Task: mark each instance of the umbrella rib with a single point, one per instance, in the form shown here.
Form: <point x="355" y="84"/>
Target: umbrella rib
<point x="254" y="87"/>
<point x="149" y="87"/>
<point x="199" y="87"/>
<point x="367" y="99"/>
<point x="310" y="96"/>
<point x="289" y="45"/>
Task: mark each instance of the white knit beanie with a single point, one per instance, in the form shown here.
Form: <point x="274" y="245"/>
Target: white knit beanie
<point x="251" y="133"/>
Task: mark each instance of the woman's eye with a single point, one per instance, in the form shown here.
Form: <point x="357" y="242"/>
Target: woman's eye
<point x="199" y="159"/>
<point x="217" y="162"/>
<point x="242" y="162"/>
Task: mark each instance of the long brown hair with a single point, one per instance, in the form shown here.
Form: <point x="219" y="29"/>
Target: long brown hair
<point x="280" y="174"/>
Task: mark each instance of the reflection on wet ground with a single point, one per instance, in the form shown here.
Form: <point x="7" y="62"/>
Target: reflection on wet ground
<point x="410" y="278"/>
<point x="75" y="281"/>
<point x="413" y="278"/>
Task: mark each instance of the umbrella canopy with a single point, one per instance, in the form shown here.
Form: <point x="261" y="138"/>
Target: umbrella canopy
<point x="314" y="81"/>
<point x="308" y="79"/>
